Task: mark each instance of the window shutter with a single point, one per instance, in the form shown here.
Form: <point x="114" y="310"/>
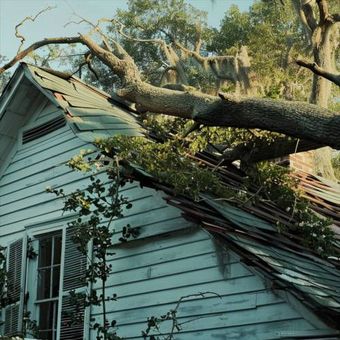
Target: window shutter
<point x="14" y="273"/>
<point x="15" y="290"/>
<point x="69" y="330"/>
<point x="75" y="264"/>
<point x="74" y="274"/>
<point x="12" y="319"/>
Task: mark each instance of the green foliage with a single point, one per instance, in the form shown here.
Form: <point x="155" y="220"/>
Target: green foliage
<point x="188" y="177"/>
<point x="159" y="19"/>
<point x="276" y="182"/>
<point x="185" y="175"/>
<point x="280" y="187"/>
<point x="272" y="32"/>
<point x="234" y="31"/>
<point x="163" y="127"/>
<point x="274" y="36"/>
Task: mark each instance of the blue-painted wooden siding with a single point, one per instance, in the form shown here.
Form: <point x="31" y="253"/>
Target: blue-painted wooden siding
<point x="152" y="273"/>
<point x="150" y="276"/>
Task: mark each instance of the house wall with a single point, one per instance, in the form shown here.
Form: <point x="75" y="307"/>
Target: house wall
<point x="151" y="275"/>
<point x="172" y="257"/>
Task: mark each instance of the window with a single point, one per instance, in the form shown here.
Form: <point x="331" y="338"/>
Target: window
<point x="49" y="261"/>
<point x="55" y="268"/>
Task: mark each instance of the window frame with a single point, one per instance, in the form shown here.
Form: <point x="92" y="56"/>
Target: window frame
<point x="51" y="266"/>
<point x="32" y="265"/>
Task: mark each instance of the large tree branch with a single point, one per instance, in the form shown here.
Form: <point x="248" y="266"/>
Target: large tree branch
<point x="305" y="121"/>
<point x="296" y="119"/>
<point x="125" y="68"/>
<point x="261" y="150"/>
<point x="21" y="55"/>
<point x="315" y="68"/>
<point x="31" y="18"/>
<point x="168" y="51"/>
<point x="301" y="120"/>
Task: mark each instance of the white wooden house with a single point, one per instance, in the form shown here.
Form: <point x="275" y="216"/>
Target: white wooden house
<point x="265" y="286"/>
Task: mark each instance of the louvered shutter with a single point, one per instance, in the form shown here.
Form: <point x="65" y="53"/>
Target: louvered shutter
<point x="75" y="264"/>
<point x="72" y="329"/>
<point x="15" y="287"/>
<point x="14" y="272"/>
<point x="12" y="319"/>
<point x="74" y="273"/>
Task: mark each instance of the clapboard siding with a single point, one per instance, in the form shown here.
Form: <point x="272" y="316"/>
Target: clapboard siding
<point x="261" y="331"/>
<point x="45" y="142"/>
<point x="51" y="161"/>
<point x="192" y="307"/>
<point x="42" y="163"/>
<point x="170" y="258"/>
<point x="150" y="279"/>
<point x="39" y="156"/>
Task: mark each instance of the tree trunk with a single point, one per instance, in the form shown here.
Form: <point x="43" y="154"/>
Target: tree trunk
<point x="322" y="52"/>
<point x="321" y="91"/>
<point x="324" y="36"/>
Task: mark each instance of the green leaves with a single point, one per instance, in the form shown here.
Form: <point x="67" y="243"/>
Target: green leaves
<point x="281" y="188"/>
<point x="167" y="161"/>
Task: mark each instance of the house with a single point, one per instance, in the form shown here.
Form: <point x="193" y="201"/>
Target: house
<point x="258" y="283"/>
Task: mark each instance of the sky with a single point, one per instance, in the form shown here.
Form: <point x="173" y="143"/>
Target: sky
<point x="51" y="23"/>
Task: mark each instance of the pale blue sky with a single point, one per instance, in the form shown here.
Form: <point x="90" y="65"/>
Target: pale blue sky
<point x="51" y="24"/>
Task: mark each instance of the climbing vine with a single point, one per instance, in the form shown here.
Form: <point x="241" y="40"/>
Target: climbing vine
<point x="97" y="206"/>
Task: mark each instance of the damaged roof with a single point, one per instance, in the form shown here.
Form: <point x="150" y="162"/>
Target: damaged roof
<point x="91" y="113"/>
<point x="249" y="230"/>
<point x="323" y="195"/>
<point x="277" y="257"/>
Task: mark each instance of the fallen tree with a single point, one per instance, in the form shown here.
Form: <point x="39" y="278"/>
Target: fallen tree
<point x="317" y="125"/>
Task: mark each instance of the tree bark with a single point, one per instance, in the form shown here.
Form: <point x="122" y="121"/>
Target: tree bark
<point x="261" y="150"/>
<point x="315" y="68"/>
<point x="292" y="118"/>
<point x="322" y="51"/>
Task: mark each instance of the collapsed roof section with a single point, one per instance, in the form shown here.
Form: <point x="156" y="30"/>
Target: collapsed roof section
<point x="251" y="232"/>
